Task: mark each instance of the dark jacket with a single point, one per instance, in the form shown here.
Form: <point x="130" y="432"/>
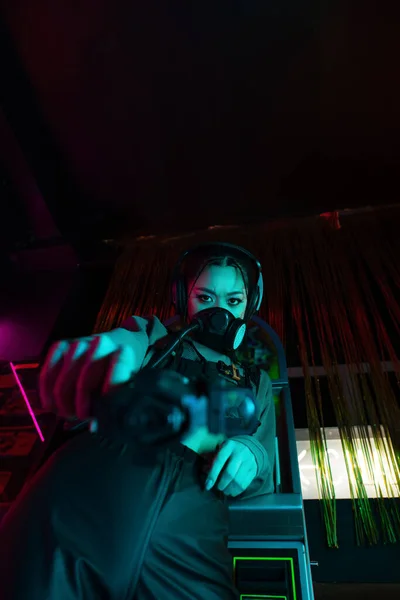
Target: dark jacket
<point x="150" y="332"/>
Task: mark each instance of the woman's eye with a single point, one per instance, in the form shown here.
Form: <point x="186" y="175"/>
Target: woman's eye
<point x="237" y="301"/>
<point x="207" y="299"/>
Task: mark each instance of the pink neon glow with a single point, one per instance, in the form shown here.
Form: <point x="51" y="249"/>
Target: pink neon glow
<point x="29" y="407"/>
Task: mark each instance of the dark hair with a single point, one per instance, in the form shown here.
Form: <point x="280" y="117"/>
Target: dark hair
<point x="196" y="263"/>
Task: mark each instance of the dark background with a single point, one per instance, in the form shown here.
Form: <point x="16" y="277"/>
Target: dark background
<point x="119" y="118"/>
<point x="173" y="116"/>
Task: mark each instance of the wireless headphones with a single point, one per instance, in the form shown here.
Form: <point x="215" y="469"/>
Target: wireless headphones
<point x="179" y="291"/>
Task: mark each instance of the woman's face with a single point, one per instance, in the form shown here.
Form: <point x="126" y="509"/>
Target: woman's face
<point x="220" y="287"/>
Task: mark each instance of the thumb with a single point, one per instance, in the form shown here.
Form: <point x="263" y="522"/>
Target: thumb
<point x="120" y="369"/>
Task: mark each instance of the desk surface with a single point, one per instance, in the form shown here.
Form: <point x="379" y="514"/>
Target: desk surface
<point x="272" y="516"/>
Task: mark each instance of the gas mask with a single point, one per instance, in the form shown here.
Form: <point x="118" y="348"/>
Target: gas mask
<point x="218" y="329"/>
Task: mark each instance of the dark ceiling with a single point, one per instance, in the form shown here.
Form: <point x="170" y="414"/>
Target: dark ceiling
<point x="155" y="117"/>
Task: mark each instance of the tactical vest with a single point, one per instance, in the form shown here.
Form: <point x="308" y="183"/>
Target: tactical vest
<point x="205" y="370"/>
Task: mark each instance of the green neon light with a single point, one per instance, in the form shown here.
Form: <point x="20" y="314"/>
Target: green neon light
<point x="278" y="405"/>
<point x="287" y="559"/>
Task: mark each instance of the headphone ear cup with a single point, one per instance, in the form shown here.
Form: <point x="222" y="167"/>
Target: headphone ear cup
<point x="260" y="292"/>
<point x="178" y="294"/>
<point x="256" y="298"/>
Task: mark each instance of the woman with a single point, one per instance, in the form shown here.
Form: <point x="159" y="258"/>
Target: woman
<point x="102" y="520"/>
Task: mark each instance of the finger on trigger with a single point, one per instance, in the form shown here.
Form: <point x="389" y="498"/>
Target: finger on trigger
<point x="120" y="369"/>
<point x="91" y="381"/>
<point x="93" y="350"/>
<point x="76" y="349"/>
<point x="65" y="385"/>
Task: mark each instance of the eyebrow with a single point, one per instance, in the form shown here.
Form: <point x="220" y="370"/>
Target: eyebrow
<point x="208" y="291"/>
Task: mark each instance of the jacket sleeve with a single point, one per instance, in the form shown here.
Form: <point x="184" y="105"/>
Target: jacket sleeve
<point x="262" y="442"/>
<point x="146" y="331"/>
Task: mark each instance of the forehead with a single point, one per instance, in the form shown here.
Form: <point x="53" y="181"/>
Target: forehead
<point x="220" y="278"/>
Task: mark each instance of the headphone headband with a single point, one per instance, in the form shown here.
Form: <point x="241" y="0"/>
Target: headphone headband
<point x="179" y="292"/>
